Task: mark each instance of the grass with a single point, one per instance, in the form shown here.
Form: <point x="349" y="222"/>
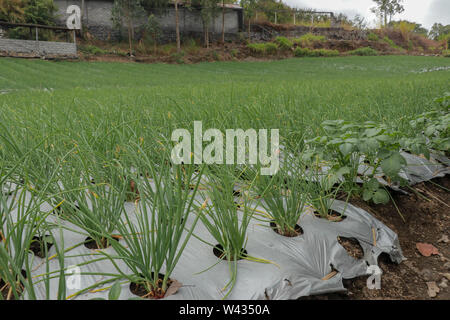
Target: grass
<point x="79" y="95"/>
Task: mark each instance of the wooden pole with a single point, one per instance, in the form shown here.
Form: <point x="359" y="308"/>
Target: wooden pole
<point x="37" y="41"/>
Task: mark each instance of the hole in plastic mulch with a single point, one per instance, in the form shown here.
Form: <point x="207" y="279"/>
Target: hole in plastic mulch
<point x="236" y="193"/>
<point x="38" y="244"/>
<point x="218" y="252"/>
<point x="6" y="291"/>
<point x="333" y="216"/>
<point x="140" y="290"/>
<point x="352" y="246"/>
<point x="93" y="245"/>
<point x="60" y="211"/>
<point x="298" y="231"/>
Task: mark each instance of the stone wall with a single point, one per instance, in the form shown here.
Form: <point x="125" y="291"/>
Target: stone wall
<point x="97" y="19"/>
<point x="260" y="33"/>
<point x="31" y="48"/>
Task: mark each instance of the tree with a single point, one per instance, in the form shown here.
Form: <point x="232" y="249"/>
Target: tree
<point x="154" y="29"/>
<point x="439" y="31"/>
<point x="40" y="12"/>
<point x="209" y="9"/>
<point x="386" y="9"/>
<point x="413" y="26"/>
<point x="125" y="12"/>
<point x="12" y="10"/>
<point x="360" y="22"/>
<point x="29" y="11"/>
<point x="177" y="27"/>
<point x="249" y="7"/>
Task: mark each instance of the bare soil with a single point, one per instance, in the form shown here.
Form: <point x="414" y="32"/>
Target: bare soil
<point x="426" y="221"/>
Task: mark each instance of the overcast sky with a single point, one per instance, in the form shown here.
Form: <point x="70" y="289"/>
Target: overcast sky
<point x="425" y="12"/>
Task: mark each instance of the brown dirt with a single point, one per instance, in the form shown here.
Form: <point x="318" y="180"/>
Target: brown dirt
<point x="426" y="221"/>
<point x="37" y="247"/>
<point x="298" y="231"/>
<point x="91" y="244"/>
<point x="218" y="252"/>
<point x="140" y="290"/>
<point x="352" y="246"/>
<point x="5" y="289"/>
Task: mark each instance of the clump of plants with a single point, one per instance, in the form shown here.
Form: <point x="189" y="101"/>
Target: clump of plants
<point x="435" y="126"/>
<point x="305" y="52"/>
<point x="155" y="237"/>
<point x="309" y="39"/>
<point x="284" y="43"/>
<point x="346" y="145"/>
<point x="95" y="201"/>
<point x="373" y="37"/>
<point x="283" y="196"/>
<point x="263" y="48"/>
<point x="366" y="51"/>
<point x="322" y="192"/>
<point x="391" y="43"/>
<point x="227" y="222"/>
<point x="94" y="50"/>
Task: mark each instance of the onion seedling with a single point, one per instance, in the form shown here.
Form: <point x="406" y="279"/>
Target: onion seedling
<point x="97" y="209"/>
<point x="284" y="197"/>
<point x="20" y="221"/>
<point x="153" y="240"/>
<point x="225" y="224"/>
<point x="322" y="192"/>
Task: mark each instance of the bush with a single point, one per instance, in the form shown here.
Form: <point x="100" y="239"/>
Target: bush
<point x="309" y="39"/>
<point x="373" y="37"/>
<point x="390" y="42"/>
<point x="446" y="53"/>
<point x="305" y="52"/>
<point x="93" y="50"/>
<point x="327" y="53"/>
<point x="302" y="52"/>
<point x="366" y="51"/>
<point x="284" y="43"/>
<point x="271" y="48"/>
<point x="263" y="48"/>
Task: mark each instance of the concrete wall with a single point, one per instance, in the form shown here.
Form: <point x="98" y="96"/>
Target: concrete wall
<point x="33" y="48"/>
<point x="97" y="19"/>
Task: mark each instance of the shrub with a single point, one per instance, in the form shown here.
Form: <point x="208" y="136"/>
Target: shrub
<point x="271" y="48"/>
<point x="305" y="52"/>
<point x="93" y="50"/>
<point x="284" y="43"/>
<point x="302" y="52"/>
<point x="446" y="53"/>
<point x="327" y="53"/>
<point x="373" y="37"/>
<point x="263" y="48"/>
<point x="309" y="39"/>
<point x="366" y="51"/>
<point x="390" y="42"/>
<point x="406" y="29"/>
<point x="258" y="48"/>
